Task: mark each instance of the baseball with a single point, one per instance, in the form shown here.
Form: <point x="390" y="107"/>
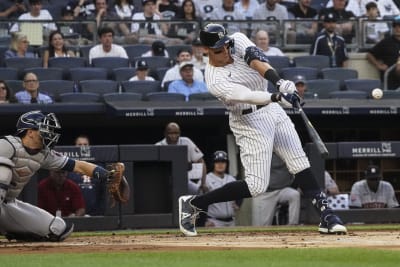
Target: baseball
<point x="377" y="93"/>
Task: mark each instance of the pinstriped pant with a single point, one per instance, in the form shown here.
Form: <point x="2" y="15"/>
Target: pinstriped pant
<point x="260" y="133"/>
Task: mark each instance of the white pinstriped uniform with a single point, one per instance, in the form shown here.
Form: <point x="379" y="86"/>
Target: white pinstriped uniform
<point x="261" y="132"/>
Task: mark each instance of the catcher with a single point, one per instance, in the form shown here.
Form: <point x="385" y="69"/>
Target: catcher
<point x="21" y="155"/>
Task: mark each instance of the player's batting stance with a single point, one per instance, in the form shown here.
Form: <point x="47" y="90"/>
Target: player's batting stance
<point x="21" y="155"/>
<point x="237" y="75"/>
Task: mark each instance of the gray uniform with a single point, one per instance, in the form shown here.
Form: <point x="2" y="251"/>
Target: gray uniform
<point x="17" y="216"/>
<point x="260" y="132"/>
<point x="361" y="196"/>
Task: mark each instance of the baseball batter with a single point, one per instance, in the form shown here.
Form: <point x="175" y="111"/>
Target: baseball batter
<point x="21" y="155"/>
<point x="237" y="75"/>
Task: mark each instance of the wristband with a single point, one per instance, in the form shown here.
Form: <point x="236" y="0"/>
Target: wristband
<point x="275" y="97"/>
<point x="100" y="173"/>
<point x="272" y="76"/>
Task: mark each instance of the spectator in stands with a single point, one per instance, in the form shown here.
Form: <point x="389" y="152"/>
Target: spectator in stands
<point x="261" y="40"/>
<point x="12" y="9"/>
<point x="301" y="85"/>
<point x="18" y="46"/>
<point x="124" y="9"/>
<point x="220" y="214"/>
<point x="93" y="190"/>
<point x="247" y="8"/>
<point x="386" y="53"/>
<point x="122" y="34"/>
<point x="60" y="196"/>
<point x="167" y="9"/>
<point x="227" y="12"/>
<point x="331" y="187"/>
<point x="372" y="192"/>
<point x="157" y="50"/>
<point x="36" y="13"/>
<point x="82" y="8"/>
<point x="279" y="193"/>
<point x="142" y="72"/>
<point x="199" y="59"/>
<point x="75" y="34"/>
<point x="302" y="32"/>
<point x="343" y="17"/>
<point x="187" y="85"/>
<point x="106" y="48"/>
<point x="5" y="93"/>
<point x="387" y="8"/>
<point x="56" y="48"/>
<point x="174" y="73"/>
<point x="330" y="44"/>
<point x="172" y="136"/>
<point x="205" y="8"/>
<point x="186" y="29"/>
<point x="31" y="93"/>
<point x="374" y="29"/>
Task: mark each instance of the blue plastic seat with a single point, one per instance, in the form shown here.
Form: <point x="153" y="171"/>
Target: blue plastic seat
<point x="307" y="72"/>
<point x="141" y="87"/>
<point x="165" y="96"/>
<point x="47" y="73"/>
<point x="80" y="97"/>
<point x="99" y="86"/>
<point x="56" y="87"/>
<point x="88" y="73"/>
<point x="122" y="97"/>
<point x="321" y="88"/>
<point x="312" y="61"/>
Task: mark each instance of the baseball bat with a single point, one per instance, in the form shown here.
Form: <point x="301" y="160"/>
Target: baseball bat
<point x="314" y="136"/>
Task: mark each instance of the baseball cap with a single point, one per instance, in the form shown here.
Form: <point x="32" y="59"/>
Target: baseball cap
<point x="299" y="79"/>
<point x="185" y="64"/>
<point x="220" y="156"/>
<point x="330" y="17"/>
<point x="67" y="10"/>
<point x="141" y="65"/>
<point x="196" y="42"/>
<point x="396" y="21"/>
<point x="144" y="2"/>
<point x="158" y="48"/>
<point x="372" y="172"/>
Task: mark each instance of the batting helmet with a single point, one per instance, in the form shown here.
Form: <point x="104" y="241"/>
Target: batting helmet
<point x="45" y="124"/>
<point x="214" y="36"/>
<point x="220" y="156"/>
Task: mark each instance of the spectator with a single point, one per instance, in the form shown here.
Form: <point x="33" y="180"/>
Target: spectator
<point x="56" y="48"/>
<point x="173" y="73"/>
<point x="12" y="9"/>
<point x="18" y="46"/>
<point x="121" y="30"/>
<point x="93" y="190"/>
<point x="205" y="8"/>
<point x="223" y="213"/>
<point x="354" y="6"/>
<point x="186" y="28"/>
<point x="74" y="33"/>
<point x="372" y="192"/>
<point x="31" y="93"/>
<point x="106" y="48"/>
<point x="386" y="53"/>
<point x="5" y="93"/>
<point x="142" y="71"/>
<point x="374" y="29"/>
<point x="60" y="196"/>
<point x="301" y="85"/>
<point x="330" y="44"/>
<point x="167" y="9"/>
<point x="262" y="41"/>
<point x="331" y="187"/>
<point x="279" y="193"/>
<point x="82" y="8"/>
<point x="172" y="136"/>
<point x="36" y="13"/>
<point x="302" y="32"/>
<point x="124" y="9"/>
<point x="247" y="8"/>
<point x="199" y="59"/>
<point x="227" y="12"/>
<point x="157" y="50"/>
<point x="187" y="85"/>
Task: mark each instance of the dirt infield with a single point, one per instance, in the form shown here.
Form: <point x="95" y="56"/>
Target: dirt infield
<point x="120" y="243"/>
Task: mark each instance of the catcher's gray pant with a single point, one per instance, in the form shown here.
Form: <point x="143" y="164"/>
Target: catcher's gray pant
<point x="20" y="217"/>
<point x="264" y="206"/>
<point x="212" y="222"/>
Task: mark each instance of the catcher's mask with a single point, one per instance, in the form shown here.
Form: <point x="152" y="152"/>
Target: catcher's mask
<point x="47" y="125"/>
<point x="215" y="36"/>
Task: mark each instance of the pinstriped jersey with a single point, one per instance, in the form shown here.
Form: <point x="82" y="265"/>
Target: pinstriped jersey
<point x="221" y="80"/>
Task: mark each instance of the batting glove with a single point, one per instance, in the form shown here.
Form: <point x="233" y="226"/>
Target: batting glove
<point x="286" y="86"/>
<point x="286" y="100"/>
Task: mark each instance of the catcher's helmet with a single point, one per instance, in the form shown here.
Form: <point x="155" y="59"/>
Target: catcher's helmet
<point x="46" y="124"/>
<point x="220" y="156"/>
<point x="214" y="36"/>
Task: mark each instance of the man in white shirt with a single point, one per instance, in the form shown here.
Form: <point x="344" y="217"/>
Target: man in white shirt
<point x="262" y="41"/>
<point x="106" y="48"/>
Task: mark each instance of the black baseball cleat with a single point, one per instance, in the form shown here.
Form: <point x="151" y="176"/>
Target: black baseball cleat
<point x="187" y="216"/>
<point x="331" y="224"/>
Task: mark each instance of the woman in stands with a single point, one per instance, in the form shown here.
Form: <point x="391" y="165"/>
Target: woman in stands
<point x="185" y="30"/>
<point x="56" y="48"/>
<point x="5" y="93"/>
<point x="18" y="47"/>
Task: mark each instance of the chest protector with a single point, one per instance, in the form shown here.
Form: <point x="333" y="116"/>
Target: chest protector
<point x="26" y="165"/>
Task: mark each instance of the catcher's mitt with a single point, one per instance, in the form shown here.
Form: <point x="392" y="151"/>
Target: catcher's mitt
<point x="117" y="184"/>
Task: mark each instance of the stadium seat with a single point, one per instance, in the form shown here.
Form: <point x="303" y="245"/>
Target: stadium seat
<point x="141" y="87"/>
<point x="8" y="74"/>
<point x="122" y="97"/>
<point x="339" y="74"/>
<point x="321" y="88"/>
<point x="391" y="94"/>
<point x="15" y="85"/>
<point x="312" y="61"/>
<point x="165" y="96"/>
<point x="84" y="51"/>
<point x="279" y="62"/>
<point x="365" y="85"/>
<point x="173" y="49"/>
<point x="99" y="86"/>
<point x="23" y="63"/>
<point x="348" y="94"/>
<point x="136" y="50"/>
<point x="123" y="74"/>
<point x="47" y="73"/>
<point x="81" y="74"/>
<point x="56" y="87"/>
<point x="80" y="97"/>
<point x="110" y="62"/>
<point x="67" y="62"/>
<point x="307" y="72"/>
<point x="201" y="97"/>
<point x="154" y="62"/>
<point x="3" y="49"/>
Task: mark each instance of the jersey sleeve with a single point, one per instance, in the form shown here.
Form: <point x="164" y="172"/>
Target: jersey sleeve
<point x="241" y="43"/>
<point x="194" y="152"/>
<point x="54" y="160"/>
<point x="355" y="196"/>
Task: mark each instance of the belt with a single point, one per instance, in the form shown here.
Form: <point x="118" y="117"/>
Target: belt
<point x="229" y="219"/>
<point x="250" y="110"/>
